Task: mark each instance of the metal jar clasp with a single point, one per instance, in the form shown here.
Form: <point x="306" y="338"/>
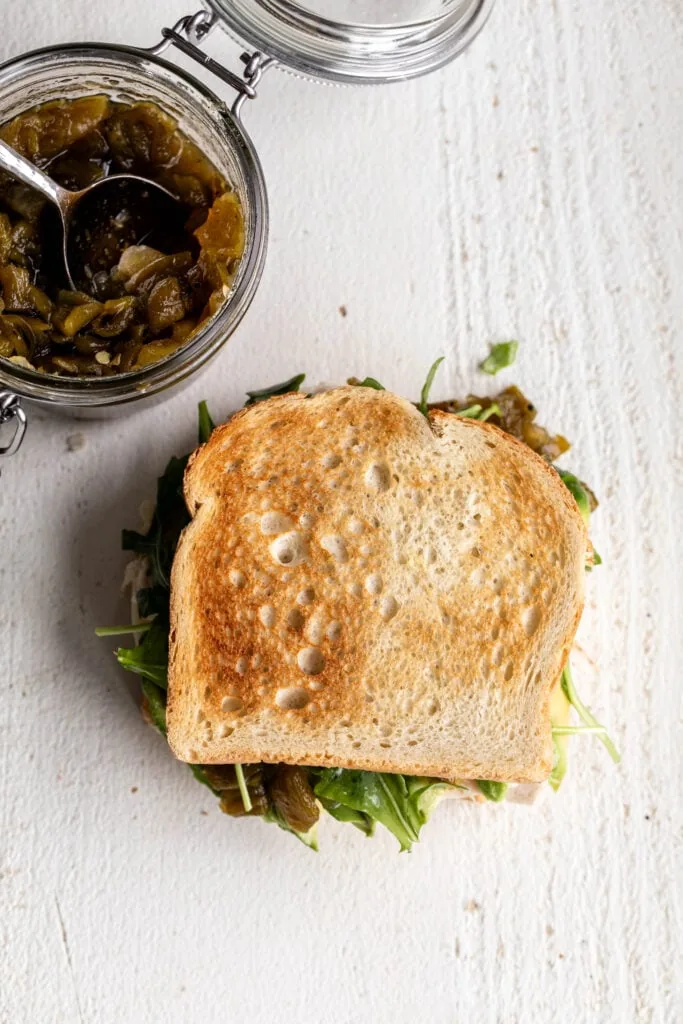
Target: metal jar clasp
<point x="190" y="31"/>
<point x="12" y="412"/>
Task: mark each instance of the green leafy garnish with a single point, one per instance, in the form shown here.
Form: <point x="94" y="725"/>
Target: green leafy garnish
<point x="559" y="762"/>
<point x="206" y="425"/>
<point x="501" y="355"/>
<point x="494" y="791"/>
<point x="478" y="412"/>
<point x="401" y="803"/>
<point x="578" y="491"/>
<point x="472" y="412"/>
<point x="309" y="839"/>
<point x="424" y="793"/>
<point x="586" y="715"/>
<point x="576" y="730"/>
<point x="244" y="792"/>
<point x="149" y="658"/>
<point x="591" y="725"/>
<point x="492" y="410"/>
<point x="582" y="499"/>
<point x="142" y="627"/>
<point x="427" y="386"/>
<point x="287" y="386"/>
<point x="364" y="822"/>
<point x="156" y="703"/>
<point x="370" y="382"/>
<point x="170" y="518"/>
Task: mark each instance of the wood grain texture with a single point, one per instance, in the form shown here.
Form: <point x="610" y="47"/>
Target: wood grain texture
<point x="533" y="189"/>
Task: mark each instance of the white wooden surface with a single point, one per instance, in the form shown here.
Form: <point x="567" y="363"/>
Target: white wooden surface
<point x="533" y="190"/>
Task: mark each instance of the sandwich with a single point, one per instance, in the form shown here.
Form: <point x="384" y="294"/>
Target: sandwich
<point x="348" y="604"/>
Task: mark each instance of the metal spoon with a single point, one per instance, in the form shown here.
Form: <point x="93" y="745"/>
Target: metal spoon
<point x="100" y="221"/>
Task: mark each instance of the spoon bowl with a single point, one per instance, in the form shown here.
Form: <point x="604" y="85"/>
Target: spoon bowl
<point x="109" y="216"/>
<point x="99" y="222"/>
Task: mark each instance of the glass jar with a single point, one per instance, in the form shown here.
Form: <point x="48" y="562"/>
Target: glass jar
<point x="355" y="41"/>
<point x="129" y="75"/>
<point x="349" y="41"/>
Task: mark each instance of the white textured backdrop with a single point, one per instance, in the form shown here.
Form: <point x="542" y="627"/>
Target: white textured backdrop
<point x="532" y="189"/>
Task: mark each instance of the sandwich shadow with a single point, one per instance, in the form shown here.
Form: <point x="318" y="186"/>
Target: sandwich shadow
<point x="91" y="565"/>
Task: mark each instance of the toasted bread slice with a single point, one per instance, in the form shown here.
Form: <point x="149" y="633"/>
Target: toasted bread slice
<point x="364" y="588"/>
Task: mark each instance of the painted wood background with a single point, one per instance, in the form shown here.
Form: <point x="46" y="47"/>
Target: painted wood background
<point x="531" y="190"/>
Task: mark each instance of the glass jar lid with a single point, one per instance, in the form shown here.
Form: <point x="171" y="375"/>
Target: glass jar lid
<point x="355" y="41"/>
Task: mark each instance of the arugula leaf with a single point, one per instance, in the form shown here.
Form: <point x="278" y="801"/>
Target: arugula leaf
<point x="560" y="709"/>
<point x="424" y="793"/>
<point x="586" y="715"/>
<point x="401" y="803"/>
<point x="287" y="386"/>
<point x="243" y="788"/>
<point x="501" y="355"/>
<point x="206" y="426"/>
<point x="582" y="498"/>
<point x="170" y="518"/>
<point x="470" y="413"/>
<point x="159" y="544"/>
<point x="478" y="412"/>
<point x="381" y="796"/>
<point x="578" y="730"/>
<point x="142" y="627"/>
<point x="156" y="704"/>
<point x="492" y="410"/>
<point x="364" y="822"/>
<point x="494" y="791"/>
<point x="427" y="386"/>
<point x="578" y="491"/>
<point x="150" y="658"/>
<point x="559" y="762"/>
<point x="309" y="839"/>
<point x="370" y="382"/>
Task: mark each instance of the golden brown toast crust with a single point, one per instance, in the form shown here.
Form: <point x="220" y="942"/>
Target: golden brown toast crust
<point x="362" y="588"/>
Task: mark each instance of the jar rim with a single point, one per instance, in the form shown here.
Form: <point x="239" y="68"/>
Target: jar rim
<point x="84" y="392"/>
<point x="318" y="46"/>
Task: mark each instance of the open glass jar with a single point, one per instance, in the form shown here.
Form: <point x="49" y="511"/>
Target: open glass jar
<point x="129" y="76"/>
<point x="362" y="43"/>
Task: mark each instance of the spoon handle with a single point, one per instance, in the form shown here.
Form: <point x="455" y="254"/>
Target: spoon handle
<point x="22" y="169"/>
